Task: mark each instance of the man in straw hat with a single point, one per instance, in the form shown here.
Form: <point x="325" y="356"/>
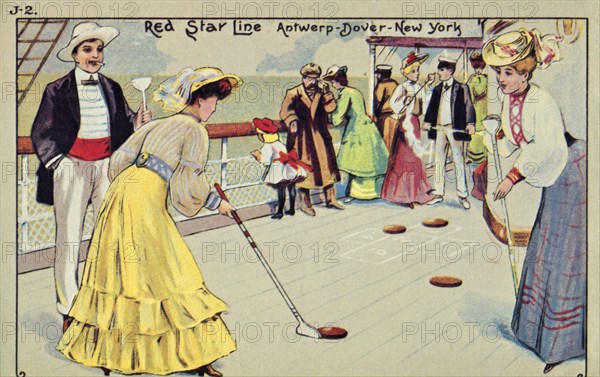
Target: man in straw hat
<point x="450" y="112"/>
<point x="383" y="90"/>
<point x="82" y="119"/>
<point x="305" y="110"/>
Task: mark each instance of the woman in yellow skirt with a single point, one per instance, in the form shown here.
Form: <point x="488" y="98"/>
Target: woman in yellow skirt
<point x="143" y="306"/>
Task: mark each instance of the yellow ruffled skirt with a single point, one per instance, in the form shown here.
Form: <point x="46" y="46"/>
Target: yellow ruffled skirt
<point x="143" y="306"/>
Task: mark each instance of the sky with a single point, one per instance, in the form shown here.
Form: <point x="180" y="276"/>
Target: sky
<point x="137" y="50"/>
<point x="129" y="53"/>
<point x="271" y="52"/>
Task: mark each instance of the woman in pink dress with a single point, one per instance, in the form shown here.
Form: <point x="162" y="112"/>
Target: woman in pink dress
<point x="405" y="181"/>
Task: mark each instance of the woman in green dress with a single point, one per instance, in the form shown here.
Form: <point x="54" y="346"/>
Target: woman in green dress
<point x="362" y="154"/>
<point x="478" y="84"/>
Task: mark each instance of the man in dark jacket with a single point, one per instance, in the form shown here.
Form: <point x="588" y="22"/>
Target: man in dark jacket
<point x="82" y="119"/>
<point x="450" y="121"/>
<point x="382" y="111"/>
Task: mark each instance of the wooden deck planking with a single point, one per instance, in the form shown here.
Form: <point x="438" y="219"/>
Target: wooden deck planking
<point x="371" y="300"/>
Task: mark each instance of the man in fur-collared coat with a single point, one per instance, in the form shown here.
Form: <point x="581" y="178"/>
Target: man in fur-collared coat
<point x="305" y="111"/>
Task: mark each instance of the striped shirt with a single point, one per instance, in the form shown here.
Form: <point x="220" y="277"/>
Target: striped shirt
<point x="95" y="121"/>
<point x="445" y="110"/>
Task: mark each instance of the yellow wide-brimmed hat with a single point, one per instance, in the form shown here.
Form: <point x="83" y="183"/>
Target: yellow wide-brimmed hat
<point x="174" y="93"/>
<point x="508" y="48"/>
<point x="83" y="32"/>
<point x="514" y="46"/>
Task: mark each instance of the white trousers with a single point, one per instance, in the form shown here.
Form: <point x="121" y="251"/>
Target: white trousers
<point x="445" y="139"/>
<point x="76" y="183"/>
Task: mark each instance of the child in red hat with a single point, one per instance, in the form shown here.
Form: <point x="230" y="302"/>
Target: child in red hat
<point x="282" y="168"/>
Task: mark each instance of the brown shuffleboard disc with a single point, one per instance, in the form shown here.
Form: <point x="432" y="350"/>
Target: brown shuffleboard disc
<point x="445" y="281"/>
<point x="435" y="223"/>
<point x="394" y="229"/>
<point x="332" y="332"/>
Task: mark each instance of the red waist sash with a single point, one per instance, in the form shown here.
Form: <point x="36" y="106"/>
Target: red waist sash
<point x="91" y="149"/>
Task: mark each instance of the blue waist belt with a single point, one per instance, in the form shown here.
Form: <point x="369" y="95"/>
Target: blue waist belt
<point x="155" y="164"/>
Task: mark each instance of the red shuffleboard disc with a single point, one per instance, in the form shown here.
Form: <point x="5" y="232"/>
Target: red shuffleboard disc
<point x="332" y="332"/>
<point x="394" y="229"/>
<point x="435" y="223"/>
<point x="445" y="281"/>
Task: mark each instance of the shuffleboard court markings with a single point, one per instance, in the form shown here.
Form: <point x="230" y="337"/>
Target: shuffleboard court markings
<point x="365" y="237"/>
<point x="387" y="248"/>
<point x="373" y="246"/>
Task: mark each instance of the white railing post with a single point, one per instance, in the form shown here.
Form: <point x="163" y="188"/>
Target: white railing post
<point x="465" y="62"/>
<point x="224" y="157"/>
<point x="29" y="242"/>
<point x="24" y="183"/>
<point x="371" y="75"/>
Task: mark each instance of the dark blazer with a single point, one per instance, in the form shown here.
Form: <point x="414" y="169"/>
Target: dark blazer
<point x="462" y="108"/>
<point x="57" y="123"/>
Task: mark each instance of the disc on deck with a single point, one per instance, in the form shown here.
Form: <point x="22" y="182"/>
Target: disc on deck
<point x="332" y="332"/>
<point x="435" y="223"/>
<point x="394" y="229"/>
<point x="445" y="281"/>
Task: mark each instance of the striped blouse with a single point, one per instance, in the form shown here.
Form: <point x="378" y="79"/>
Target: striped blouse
<point x="180" y="141"/>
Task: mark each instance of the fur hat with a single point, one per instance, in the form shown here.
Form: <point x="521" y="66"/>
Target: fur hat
<point x="310" y="69"/>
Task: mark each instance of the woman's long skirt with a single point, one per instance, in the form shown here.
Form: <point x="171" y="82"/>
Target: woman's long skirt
<point x="549" y="315"/>
<point x="143" y="306"/>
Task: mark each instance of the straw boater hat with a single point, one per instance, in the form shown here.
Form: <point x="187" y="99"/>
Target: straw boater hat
<point x="514" y="46"/>
<point x="83" y="32"/>
<point x="310" y="69"/>
<point x="445" y="57"/>
<point x="383" y="68"/>
<point x="175" y="91"/>
<point x="334" y="70"/>
<point x="413" y="58"/>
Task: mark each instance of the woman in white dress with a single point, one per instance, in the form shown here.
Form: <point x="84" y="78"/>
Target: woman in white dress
<point x="282" y="169"/>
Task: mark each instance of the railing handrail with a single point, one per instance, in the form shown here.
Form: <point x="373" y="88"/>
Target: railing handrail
<point x="215" y="131"/>
<point x="447" y="42"/>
